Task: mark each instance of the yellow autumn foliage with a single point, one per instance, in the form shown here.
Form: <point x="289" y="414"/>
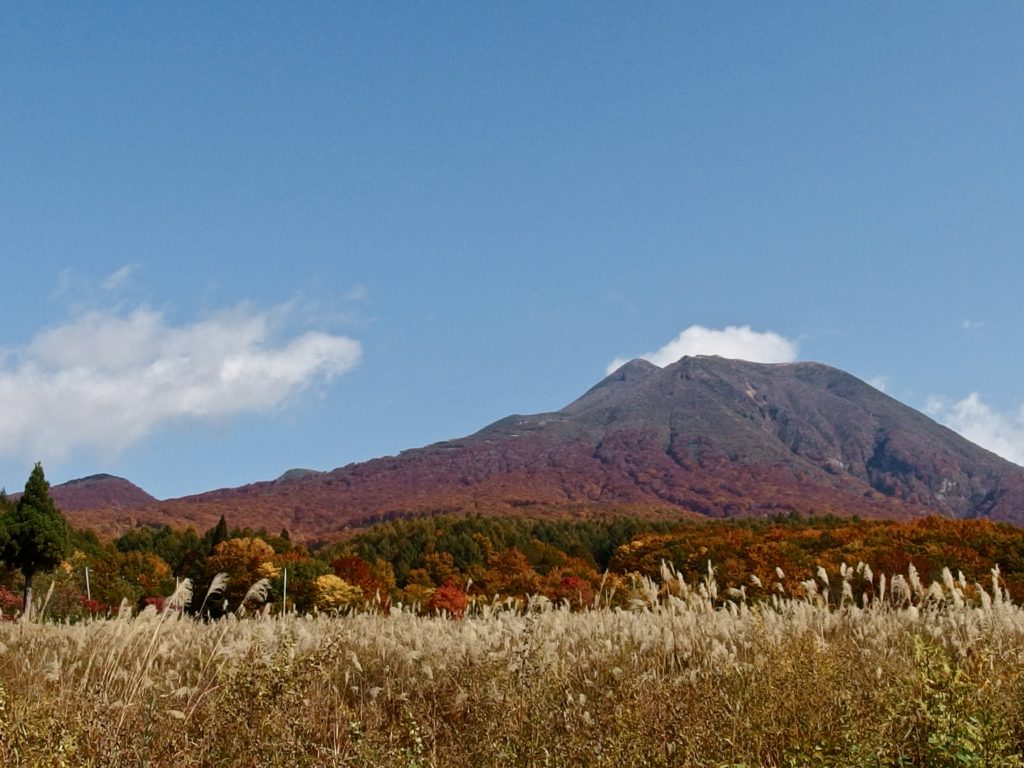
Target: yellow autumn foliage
<point x="334" y="593"/>
<point x="245" y="561"/>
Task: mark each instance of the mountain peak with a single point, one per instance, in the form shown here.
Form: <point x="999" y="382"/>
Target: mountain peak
<point x="297" y="473"/>
<point x="100" y="491"/>
<point x="637" y="368"/>
<point x="92" y="479"/>
<point x="625" y="376"/>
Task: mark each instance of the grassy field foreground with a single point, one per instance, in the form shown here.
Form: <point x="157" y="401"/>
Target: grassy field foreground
<point x="925" y="677"/>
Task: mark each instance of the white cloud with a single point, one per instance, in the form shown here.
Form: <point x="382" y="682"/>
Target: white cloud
<point x="117" y="279"/>
<point x="879" y="382"/>
<point x="737" y="342"/>
<point x="358" y="292"/>
<point x="103" y="380"/>
<point x="972" y="417"/>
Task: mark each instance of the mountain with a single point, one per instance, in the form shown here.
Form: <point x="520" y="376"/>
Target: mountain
<point x="99" y="492"/>
<point x="703" y="437"/>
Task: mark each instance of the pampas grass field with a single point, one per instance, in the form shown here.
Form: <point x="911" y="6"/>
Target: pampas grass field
<point x="908" y="674"/>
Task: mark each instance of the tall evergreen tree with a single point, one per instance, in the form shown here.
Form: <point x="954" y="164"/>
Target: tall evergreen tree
<point x="219" y="533"/>
<point x="38" y="533"/>
<point x="6" y="508"/>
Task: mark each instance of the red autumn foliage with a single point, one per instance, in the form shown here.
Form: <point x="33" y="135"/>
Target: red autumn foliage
<point x="9" y="603"/>
<point x="575" y="590"/>
<point x="157" y="602"/>
<point x="449" y="599"/>
<point x="357" y="572"/>
<point x="94" y="607"/>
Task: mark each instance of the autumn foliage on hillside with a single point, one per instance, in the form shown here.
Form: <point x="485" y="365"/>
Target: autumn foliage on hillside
<point x="739" y="550"/>
<point x="448" y="564"/>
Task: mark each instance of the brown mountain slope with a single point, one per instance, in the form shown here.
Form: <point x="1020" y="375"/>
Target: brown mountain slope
<point x="702" y="437"/>
<point x="98" y="492"/>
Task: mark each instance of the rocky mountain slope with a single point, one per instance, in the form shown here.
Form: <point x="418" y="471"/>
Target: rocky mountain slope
<point x="704" y="437"/>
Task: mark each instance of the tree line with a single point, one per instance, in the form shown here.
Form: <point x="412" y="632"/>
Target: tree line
<point x="449" y="562"/>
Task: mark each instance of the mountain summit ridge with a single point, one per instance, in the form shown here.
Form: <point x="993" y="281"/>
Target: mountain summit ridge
<point x="702" y="437"/>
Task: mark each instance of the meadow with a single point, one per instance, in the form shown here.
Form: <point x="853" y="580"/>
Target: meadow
<point x="907" y="673"/>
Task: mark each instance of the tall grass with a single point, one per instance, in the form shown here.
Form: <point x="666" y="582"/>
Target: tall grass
<point x="912" y="675"/>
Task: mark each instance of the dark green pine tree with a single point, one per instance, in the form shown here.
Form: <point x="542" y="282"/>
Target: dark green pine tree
<point x="220" y="533"/>
<point x="38" y="532"/>
<point x="6" y="508"/>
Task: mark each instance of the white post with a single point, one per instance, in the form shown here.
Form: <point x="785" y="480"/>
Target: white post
<point x="88" y="592"/>
<point x="284" y="593"/>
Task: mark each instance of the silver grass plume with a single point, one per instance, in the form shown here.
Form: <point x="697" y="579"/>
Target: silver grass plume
<point x="951" y="584"/>
<point x="900" y="590"/>
<point x="217" y="587"/>
<point x="847" y="593"/>
<point x="257" y="592"/>
<point x="917" y="588"/>
<point x="947" y="579"/>
<point x="711" y="584"/>
<point x="986" y="599"/>
<point x="180" y="598"/>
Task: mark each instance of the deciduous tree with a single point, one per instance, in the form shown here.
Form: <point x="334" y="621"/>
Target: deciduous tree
<point x="335" y="594"/>
<point x="245" y="561"/>
<point x="449" y="599"/>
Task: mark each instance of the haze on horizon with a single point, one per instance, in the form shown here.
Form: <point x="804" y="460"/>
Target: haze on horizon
<point x="238" y="240"/>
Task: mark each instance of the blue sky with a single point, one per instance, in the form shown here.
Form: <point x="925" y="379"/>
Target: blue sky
<point x="238" y="238"/>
